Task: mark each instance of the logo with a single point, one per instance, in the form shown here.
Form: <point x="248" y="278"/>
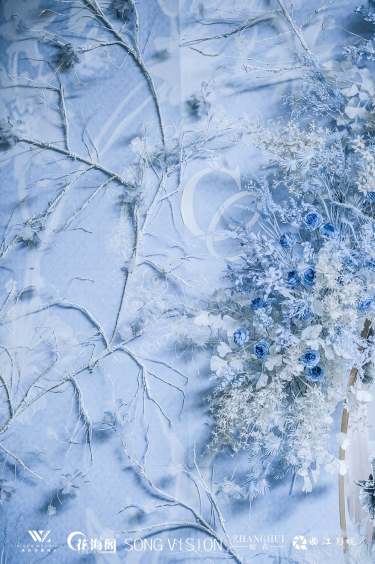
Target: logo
<point x="41" y="542"/>
<point x="300" y="542"/>
<point x="39" y="536"/>
<point x="79" y="542"/>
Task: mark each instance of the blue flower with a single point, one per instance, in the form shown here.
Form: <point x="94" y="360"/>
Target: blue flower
<point x="309" y="276"/>
<point x="306" y="314"/>
<point x="257" y="303"/>
<point x="287" y="240"/>
<point x="365" y="304"/>
<point x="241" y="337"/>
<point x="370" y="264"/>
<point x="315" y="374"/>
<point x="328" y="231"/>
<point x="261" y="349"/>
<point x="310" y="358"/>
<point x="350" y="263"/>
<point x="294" y="279"/>
<point x="312" y="220"/>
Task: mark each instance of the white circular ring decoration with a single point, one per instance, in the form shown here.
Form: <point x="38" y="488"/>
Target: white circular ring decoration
<point x="188" y="214"/>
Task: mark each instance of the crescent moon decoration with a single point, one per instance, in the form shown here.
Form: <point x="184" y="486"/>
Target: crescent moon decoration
<point x="211" y="235"/>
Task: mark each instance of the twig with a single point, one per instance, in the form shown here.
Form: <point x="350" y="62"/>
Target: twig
<point x="43" y="216"/>
<point x="64" y="114"/>
<point x="128" y="272"/>
<point x="93" y="5"/>
<point x="7" y="393"/>
<point x="83" y="413"/>
<point x="143" y="373"/>
<point x="167" y="365"/>
<point x="199" y="523"/>
<point x="64" y="305"/>
<point x="86" y="203"/>
<point x="19" y="461"/>
<point x="247" y="25"/>
<point x="296" y="30"/>
<point x="75" y="157"/>
<point x="211" y="497"/>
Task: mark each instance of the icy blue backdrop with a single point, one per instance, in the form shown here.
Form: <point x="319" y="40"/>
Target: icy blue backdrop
<point x="86" y="422"/>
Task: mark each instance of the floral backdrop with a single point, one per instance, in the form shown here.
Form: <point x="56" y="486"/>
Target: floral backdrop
<point x="187" y="281"/>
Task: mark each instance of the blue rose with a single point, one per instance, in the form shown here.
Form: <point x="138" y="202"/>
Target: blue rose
<point x="365" y="304"/>
<point x="241" y="337"/>
<point x="310" y="358"/>
<point x="257" y="303"/>
<point x="370" y="264"/>
<point x="315" y="374"/>
<point x="294" y="279"/>
<point x="312" y="220"/>
<point x="309" y="276"/>
<point x="328" y="231"/>
<point x="261" y="349"/>
<point x="287" y="240"/>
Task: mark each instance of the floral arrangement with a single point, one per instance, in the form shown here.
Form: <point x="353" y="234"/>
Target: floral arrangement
<point x="295" y="319"/>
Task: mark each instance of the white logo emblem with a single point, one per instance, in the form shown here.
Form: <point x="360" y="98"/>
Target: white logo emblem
<point x="79" y="542"/>
<point x="40" y="536"/>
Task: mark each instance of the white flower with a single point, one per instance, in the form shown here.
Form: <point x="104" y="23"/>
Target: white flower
<point x="223" y="349"/>
<point x="273" y="361"/>
<point x="262" y="381"/>
<point x="202" y="318"/>
<point x="311" y="333"/>
<point x="219" y="365"/>
<point x="236" y="364"/>
<point x="229" y="324"/>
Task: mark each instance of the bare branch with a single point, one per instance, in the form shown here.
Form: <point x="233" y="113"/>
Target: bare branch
<point x="75" y="157"/>
<point x="93" y="5"/>
<point x="20" y="462"/>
